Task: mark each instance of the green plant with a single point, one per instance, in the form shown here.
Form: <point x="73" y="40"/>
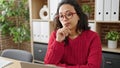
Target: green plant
<point x="5" y="10"/>
<point x="86" y="8"/>
<point x="14" y="19"/>
<point x="112" y="35"/>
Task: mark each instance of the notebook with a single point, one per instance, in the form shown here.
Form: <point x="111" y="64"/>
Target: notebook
<point x="4" y="63"/>
<point x="35" y="65"/>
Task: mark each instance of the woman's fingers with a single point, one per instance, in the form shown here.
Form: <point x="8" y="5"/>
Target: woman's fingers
<point x="62" y="33"/>
<point x="65" y="31"/>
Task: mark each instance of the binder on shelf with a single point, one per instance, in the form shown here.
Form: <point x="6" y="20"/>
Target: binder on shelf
<point x="99" y="10"/>
<point x="41" y="31"/>
<point x="45" y="31"/>
<point x="115" y="10"/>
<point x="92" y="26"/>
<point x="36" y="32"/>
<point x="53" y="8"/>
<point x="107" y="10"/>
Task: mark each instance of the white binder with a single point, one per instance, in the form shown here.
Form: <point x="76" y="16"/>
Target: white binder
<point x="107" y="10"/>
<point x="92" y="26"/>
<point x="41" y="31"/>
<point x="115" y="10"/>
<point x="53" y="8"/>
<point x="99" y="10"/>
<point x="45" y="31"/>
<point x="36" y="32"/>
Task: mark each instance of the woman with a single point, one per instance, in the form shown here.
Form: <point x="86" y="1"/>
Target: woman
<point x="73" y="44"/>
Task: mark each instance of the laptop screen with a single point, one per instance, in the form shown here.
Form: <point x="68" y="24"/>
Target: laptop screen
<point x="35" y="65"/>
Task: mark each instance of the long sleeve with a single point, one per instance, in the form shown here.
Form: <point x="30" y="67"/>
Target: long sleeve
<point x="82" y="52"/>
<point x="55" y="51"/>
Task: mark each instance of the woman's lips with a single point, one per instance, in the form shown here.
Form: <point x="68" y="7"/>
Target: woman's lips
<point x="67" y="24"/>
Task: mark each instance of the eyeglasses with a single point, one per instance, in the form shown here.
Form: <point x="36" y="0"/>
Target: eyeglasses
<point x="67" y="15"/>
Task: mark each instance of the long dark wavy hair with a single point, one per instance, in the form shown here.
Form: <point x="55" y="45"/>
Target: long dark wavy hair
<point x="82" y="24"/>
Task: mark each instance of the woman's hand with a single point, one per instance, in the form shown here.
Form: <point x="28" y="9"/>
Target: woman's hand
<point x="62" y="33"/>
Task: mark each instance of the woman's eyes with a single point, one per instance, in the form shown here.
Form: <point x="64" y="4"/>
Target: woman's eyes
<point x="69" y="14"/>
<point x="61" y="16"/>
<point x="66" y="15"/>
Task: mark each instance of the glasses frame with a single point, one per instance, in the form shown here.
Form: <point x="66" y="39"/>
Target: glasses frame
<point x="64" y="16"/>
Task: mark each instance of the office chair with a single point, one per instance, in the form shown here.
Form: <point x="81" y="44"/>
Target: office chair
<point x="16" y="54"/>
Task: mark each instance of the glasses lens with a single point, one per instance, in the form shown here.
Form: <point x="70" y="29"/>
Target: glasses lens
<point x="61" y="16"/>
<point x="69" y="15"/>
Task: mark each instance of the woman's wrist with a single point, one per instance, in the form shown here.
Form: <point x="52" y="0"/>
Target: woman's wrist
<point x="58" y="40"/>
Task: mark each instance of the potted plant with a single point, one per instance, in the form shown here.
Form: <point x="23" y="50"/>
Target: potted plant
<point x="14" y="20"/>
<point x="86" y="9"/>
<point x="112" y="37"/>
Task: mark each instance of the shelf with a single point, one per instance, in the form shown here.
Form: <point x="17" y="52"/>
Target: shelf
<point x="35" y="7"/>
<point x="105" y="48"/>
<point x="40" y="42"/>
<point x="91" y="21"/>
<point x="39" y="20"/>
<point x="101" y="27"/>
<point x="107" y="22"/>
<point x="36" y="61"/>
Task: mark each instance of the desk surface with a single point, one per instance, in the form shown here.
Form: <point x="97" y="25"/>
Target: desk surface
<point x="15" y="64"/>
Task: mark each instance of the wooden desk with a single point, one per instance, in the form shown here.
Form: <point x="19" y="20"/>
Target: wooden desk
<point x="15" y="64"/>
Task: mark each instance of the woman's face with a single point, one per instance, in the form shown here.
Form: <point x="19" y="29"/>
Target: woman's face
<point x="68" y="16"/>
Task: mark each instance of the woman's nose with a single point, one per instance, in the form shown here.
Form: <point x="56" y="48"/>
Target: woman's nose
<point x="65" y="18"/>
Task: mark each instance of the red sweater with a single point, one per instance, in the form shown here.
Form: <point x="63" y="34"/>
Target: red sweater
<point x="82" y="52"/>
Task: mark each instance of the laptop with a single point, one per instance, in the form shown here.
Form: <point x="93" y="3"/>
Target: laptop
<point x="35" y="65"/>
